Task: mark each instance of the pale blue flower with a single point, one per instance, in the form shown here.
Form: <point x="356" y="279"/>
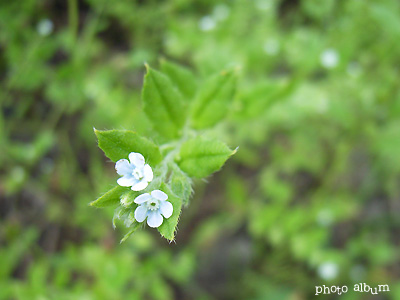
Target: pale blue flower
<point x="45" y="27"/>
<point x="207" y="23"/>
<point x="135" y="173"/>
<point x="153" y="206"/>
<point x="329" y="58"/>
<point x="328" y="270"/>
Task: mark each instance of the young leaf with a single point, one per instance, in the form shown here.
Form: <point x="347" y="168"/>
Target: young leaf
<point x="112" y="197"/>
<point x="117" y="144"/>
<point x="181" y="184"/>
<point x="182" y="77"/>
<point x="163" y="104"/>
<point x="168" y="227"/>
<point x="128" y="197"/>
<point x="134" y="227"/>
<point x="200" y="157"/>
<point x="214" y="99"/>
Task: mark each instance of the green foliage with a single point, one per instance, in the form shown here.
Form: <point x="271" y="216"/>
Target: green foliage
<point x="214" y="99"/>
<point x="111" y="198"/>
<point x="315" y="112"/>
<point x="117" y="144"/>
<point x="182" y="77"/>
<point x="201" y="157"/>
<point x="181" y="184"/>
<point x="169" y="226"/>
<point x="195" y="156"/>
<point x="261" y="96"/>
<point x="163" y="104"/>
<point x="134" y="227"/>
<point x="9" y="259"/>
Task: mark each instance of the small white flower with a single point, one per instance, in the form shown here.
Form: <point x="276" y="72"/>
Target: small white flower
<point x="45" y="27"/>
<point x="135" y="173"/>
<point x="153" y="205"/>
<point x="329" y="58"/>
<point x="328" y="270"/>
<point x="207" y="23"/>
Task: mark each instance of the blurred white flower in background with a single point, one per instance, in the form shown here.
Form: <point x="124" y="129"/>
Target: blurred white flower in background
<point x="329" y="58"/>
<point x="271" y="47"/>
<point x="207" y="23"/>
<point x="45" y="27"/>
<point x="328" y="270"/>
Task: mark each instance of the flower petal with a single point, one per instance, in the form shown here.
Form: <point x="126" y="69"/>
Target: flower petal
<point x="137" y="159"/>
<point x="123" y="167"/>
<point x="141" y="185"/>
<point x="148" y="173"/>
<point x="160" y="195"/>
<point x="166" y="209"/>
<point x="141" y="213"/>
<point x="142" y="198"/>
<point x="154" y="219"/>
<point x="126" y="181"/>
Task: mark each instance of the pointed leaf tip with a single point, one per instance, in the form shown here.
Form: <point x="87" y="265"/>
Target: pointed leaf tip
<point x="200" y="157"/>
<point x="169" y="226"/>
<point x="214" y="99"/>
<point x="111" y="198"/>
<point x="163" y="104"/>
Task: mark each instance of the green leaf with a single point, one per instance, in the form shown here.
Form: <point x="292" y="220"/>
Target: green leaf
<point x="117" y="144"/>
<point x="134" y="227"/>
<point x="182" y="77"/>
<point x="163" y="104"/>
<point x="200" y="157"/>
<point x="112" y="197"/>
<point x="181" y="184"/>
<point x="256" y="100"/>
<point x="128" y="198"/>
<point x="168" y="227"/>
<point x="214" y="99"/>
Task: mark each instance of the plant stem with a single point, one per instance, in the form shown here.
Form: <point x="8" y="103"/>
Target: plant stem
<point x="73" y="18"/>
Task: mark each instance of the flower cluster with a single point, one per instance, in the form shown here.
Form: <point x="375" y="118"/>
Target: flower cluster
<point x="137" y="175"/>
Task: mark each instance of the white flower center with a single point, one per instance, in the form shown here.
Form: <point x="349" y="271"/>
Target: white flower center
<point x="138" y="174"/>
<point x="153" y="204"/>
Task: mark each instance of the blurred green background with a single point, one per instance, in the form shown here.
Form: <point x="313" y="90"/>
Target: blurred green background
<point x="311" y="197"/>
